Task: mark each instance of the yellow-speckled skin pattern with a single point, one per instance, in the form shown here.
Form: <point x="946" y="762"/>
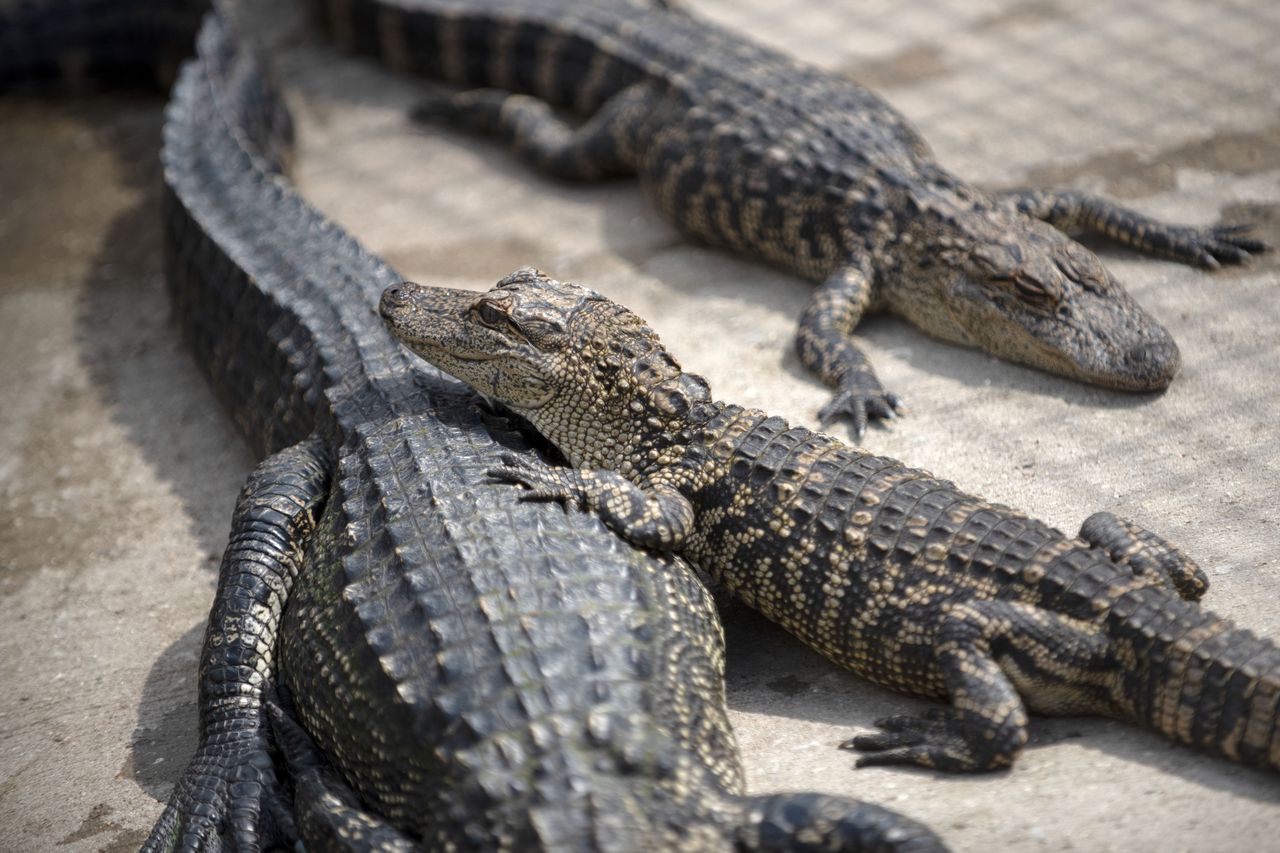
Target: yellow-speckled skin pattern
<point x="746" y="148"/>
<point x="885" y="569"/>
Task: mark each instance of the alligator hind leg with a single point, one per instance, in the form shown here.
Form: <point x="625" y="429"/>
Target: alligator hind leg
<point x="1071" y="210"/>
<point x="824" y="346"/>
<point x="230" y="785"/>
<point x="599" y="148"/>
<point x="993" y="655"/>
<point x="1146" y="553"/>
<point x="329" y="815"/>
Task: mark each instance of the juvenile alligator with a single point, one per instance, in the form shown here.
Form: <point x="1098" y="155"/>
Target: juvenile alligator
<point x="884" y="569"/>
<point x="476" y="672"/>
<point x="746" y="148"/>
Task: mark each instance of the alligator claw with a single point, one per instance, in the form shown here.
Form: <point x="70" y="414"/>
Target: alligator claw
<point x="859" y="401"/>
<point x="939" y="739"/>
<point x="230" y="787"/>
<point x="903" y="739"/>
<point x="1211" y="248"/>
<point x="541" y="483"/>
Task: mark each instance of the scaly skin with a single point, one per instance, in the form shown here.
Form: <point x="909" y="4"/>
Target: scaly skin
<point x="745" y="148"/>
<point x="898" y="576"/>
<point x="469" y="671"/>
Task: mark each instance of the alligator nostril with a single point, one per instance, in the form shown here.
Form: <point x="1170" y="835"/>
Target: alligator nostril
<point x="395" y="296"/>
<point x="1155" y="363"/>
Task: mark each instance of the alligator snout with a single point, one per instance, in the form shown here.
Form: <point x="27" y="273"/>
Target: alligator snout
<point x="1153" y="364"/>
<point x="395" y="296"/>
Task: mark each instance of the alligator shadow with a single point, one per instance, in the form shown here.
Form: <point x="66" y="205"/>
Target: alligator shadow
<point x="149" y="384"/>
<point x="770" y="672"/>
<point x="135" y="355"/>
<point x="165" y="737"/>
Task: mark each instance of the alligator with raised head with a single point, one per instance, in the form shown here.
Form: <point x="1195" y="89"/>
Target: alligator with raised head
<point x="884" y="569"/>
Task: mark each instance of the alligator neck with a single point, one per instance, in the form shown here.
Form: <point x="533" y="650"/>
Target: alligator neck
<point x="322" y="359"/>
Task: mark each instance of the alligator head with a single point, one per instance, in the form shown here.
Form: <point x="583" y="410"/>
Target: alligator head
<point x="1024" y="291"/>
<point x="586" y="372"/>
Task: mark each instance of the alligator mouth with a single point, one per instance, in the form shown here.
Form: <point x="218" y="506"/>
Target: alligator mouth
<point x="431" y="330"/>
<point x="1143" y="366"/>
<point x="1123" y="351"/>
<point x="432" y="349"/>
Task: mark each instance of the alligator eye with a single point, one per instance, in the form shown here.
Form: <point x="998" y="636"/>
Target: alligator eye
<point x="1033" y="291"/>
<point x="1084" y="269"/>
<point x="491" y="315"/>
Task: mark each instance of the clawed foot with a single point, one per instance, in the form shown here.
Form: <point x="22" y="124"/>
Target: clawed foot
<point x="542" y="483"/>
<point x="1210" y="248"/>
<point x="941" y="739"/>
<point x="860" y="400"/>
<point x="902" y="739"/>
<point x="229" y="787"/>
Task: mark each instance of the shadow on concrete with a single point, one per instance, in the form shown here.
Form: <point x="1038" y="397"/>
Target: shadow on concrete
<point x="165" y="738"/>
<point x="145" y="376"/>
<point x="134" y="353"/>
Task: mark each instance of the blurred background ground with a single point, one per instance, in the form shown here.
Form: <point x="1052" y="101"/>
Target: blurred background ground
<point x="118" y="471"/>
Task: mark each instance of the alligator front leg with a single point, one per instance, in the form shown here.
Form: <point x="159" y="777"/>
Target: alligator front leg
<point x="230" y="785"/>
<point x="824" y="346"/>
<point x="992" y="654"/>
<point x="1146" y="553"/>
<point x="599" y="148"/>
<point x="656" y="517"/>
<point x="1070" y="210"/>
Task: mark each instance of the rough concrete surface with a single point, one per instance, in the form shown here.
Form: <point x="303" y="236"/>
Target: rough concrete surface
<point x="118" y="471"/>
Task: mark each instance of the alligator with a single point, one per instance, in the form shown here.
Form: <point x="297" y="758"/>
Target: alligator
<point x="745" y="148"/>
<point x="886" y="570"/>
<point x="454" y="669"/>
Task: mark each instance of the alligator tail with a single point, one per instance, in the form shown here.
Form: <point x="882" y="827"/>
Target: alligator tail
<point x="469" y="45"/>
<point x="1196" y="678"/>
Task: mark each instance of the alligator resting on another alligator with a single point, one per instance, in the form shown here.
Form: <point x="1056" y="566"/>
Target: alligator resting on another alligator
<point x="469" y="671"/>
<point x="885" y="569"/>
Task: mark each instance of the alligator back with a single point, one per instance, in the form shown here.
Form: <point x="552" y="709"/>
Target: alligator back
<point x="484" y="672"/>
<point x="736" y="140"/>
<point x="872" y="563"/>
<point x="465" y="659"/>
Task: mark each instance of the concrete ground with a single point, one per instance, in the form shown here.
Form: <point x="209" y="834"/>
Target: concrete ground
<point x="118" y="471"/>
